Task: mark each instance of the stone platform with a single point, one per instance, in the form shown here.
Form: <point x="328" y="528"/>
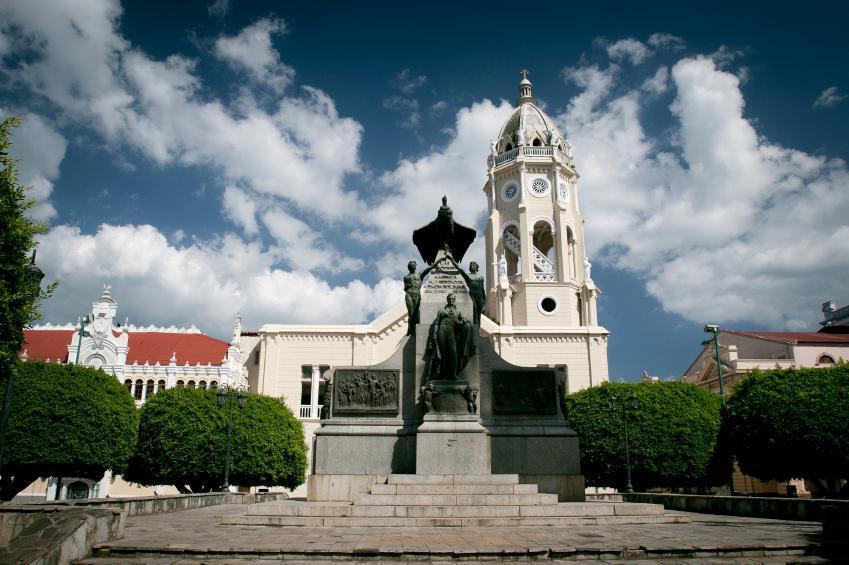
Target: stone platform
<point x="198" y="536"/>
<point x="452" y="501"/>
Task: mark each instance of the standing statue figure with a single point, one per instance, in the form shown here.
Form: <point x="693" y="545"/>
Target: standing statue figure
<point x="552" y="136"/>
<point x="451" y="342"/>
<point x="493" y="147"/>
<point x="502" y="267"/>
<point x="520" y="136"/>
<point x="588" y="268"/>
<point x="413" y="294"/>
<point x="476" y="286"/>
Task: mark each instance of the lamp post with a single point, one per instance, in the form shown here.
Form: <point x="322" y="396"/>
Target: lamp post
<point x="634" y="404"/>
<point x="84" y="321"/>
<point x="714" y="329"/>
<point x="225" y="396"/>
<point x="33" y="279"/>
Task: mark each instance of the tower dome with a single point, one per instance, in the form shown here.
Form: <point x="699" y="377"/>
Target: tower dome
<point x="528" y="124"/>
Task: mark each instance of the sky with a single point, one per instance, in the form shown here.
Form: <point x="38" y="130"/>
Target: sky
<point x="218" y="157"/>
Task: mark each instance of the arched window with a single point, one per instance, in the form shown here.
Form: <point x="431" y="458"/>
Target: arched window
<point x="149" y="389"/>
<point x="190" y="384"/>
<point x="825" y="359"/>
<point x="509" y="147"/>
<point x="537" y="142"/>
<point x="180" y="384"/>
<point x="544" y="243"/>
<point x="202" y="385"/>
<point x="129" y="384"/>
<point x="512" y="250"/>
<point x="137" y="392"/>
<point x="160" y="385"/>
<point x="213" y="384"/>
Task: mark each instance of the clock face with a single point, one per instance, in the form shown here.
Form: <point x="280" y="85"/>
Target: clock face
<point x="509" y="191"/>
<point x="539" y="187"/>
<point x="563" y="192"/>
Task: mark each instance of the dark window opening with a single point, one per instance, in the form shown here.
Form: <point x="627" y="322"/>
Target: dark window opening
<point x="548" y="304"/>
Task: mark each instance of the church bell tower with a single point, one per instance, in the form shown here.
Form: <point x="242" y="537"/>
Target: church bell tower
<point x="537" y="271"/>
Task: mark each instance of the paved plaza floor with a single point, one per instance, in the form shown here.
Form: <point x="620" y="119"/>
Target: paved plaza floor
<point x="197" y="536"/>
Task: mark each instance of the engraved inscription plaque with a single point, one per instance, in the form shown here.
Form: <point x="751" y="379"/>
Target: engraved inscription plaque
<point x="362" y="391"/>
<point x="524" y="392"/>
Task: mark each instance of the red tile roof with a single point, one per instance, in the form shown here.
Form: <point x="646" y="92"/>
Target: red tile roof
<point x="158" y="346"/>
<point x="800" y="337"/>
<point x="43" y="344"/>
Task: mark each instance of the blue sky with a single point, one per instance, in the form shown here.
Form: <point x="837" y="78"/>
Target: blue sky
<point x="210" y="157"/>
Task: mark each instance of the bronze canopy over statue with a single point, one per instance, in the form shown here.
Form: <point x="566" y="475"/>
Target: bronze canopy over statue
<point x="442" y="231"/>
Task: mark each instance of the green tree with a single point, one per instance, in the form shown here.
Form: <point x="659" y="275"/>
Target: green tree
<point x="182" y="441"/>
<point x="65" y="420"/>
<point x="786" y="424"/>
<point x="19" y="297"/>
<point x="672" y="434"/>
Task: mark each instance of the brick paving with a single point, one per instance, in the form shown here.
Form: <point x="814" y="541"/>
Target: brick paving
<point x="198" y="536"/>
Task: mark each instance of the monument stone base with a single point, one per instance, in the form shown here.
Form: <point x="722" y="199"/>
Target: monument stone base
<point x="449" y="444"/>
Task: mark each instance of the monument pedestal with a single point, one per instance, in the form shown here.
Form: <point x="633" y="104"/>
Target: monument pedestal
<point x="452" y="444"/>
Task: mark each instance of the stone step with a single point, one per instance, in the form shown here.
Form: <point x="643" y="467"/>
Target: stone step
<point x="453" y="479"/>
<point x="395" y="522"/>
<point x="453" y="489"/>
<point x="453" y="500"/>
<point x="566" y="509"/>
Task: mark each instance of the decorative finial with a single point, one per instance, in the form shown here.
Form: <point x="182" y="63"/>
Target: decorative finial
<point x="525" y="88"/>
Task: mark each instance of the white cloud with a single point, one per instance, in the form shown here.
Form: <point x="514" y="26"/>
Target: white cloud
<point x="456" y="170"/>
<point x="252" y="51"/>
<point x="204" y="283"/>
<point x="219" y="8"/>
<point x="658" y="83"/>
<point x="628" y="49"/>
<point x="240" y="209"/>
<point x="40" y="149"/>
<point x="300" y="151"/>
<point x="666" y="40"/>
<point x="79" y="53"/>
<point x="829" y="97"/>
<point x="302" y="247"/>
<point x="727" y="227"/>
<point x="407" y="83"/>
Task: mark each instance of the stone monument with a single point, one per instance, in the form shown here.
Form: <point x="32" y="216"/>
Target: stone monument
<point x="444" y="403"/>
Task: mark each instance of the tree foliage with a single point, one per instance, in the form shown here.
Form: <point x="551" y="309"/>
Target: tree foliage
<point x="672" y="434"/>
<point x="65" y="420"/>
<point x="19" y="297"/>
<point x="183" y="434"/>
<point x="786" y="424"/>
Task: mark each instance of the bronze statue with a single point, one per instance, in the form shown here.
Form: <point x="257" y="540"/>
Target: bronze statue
<point x="442" y="231"/>
<point x="476" y="286"/>
<point x="413" y="294"/>
<point x="451" y="342"/>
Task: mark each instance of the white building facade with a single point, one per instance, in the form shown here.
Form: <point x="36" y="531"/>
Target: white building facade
<point x="145" y="360"/>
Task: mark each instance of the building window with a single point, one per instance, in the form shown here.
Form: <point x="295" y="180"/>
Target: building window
<point x="202" y="385"/>
<point x="149" y="388"/>
<point x="190" y="384"/>
<point x="213" y="384"/>
<point x="160" y="386"/>
<point x="547" y="305"/>
<point x="137" y="392"/>
<point x="129" y="384"/>
<point x="180" y="384"/>
<point x="256" y="357"/>
<point x="825" y="359"/>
